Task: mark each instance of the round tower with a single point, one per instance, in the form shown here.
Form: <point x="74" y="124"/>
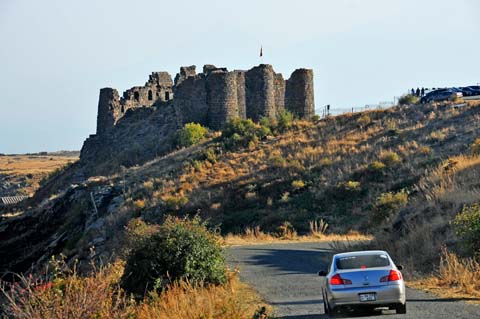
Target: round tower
<point x="109" y="110"/>
<point x="221" y="97"/>
<point x="260" y="92"/>
<point x="299" y="94"/>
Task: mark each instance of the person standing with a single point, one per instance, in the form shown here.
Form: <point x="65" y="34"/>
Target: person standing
<point x="417" y="92"/>
<point x="422" y="92"/>
<point x="413" y="91"/>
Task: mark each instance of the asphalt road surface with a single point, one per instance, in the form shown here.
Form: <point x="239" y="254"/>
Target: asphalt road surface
<point x="286" y="276"/>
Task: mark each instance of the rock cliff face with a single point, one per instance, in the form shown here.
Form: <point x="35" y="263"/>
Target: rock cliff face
<point x="142" y="123"/>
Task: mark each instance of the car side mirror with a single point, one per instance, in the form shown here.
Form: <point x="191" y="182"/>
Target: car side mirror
<point x="322" y="273"/>
<point x="399" y="267"/>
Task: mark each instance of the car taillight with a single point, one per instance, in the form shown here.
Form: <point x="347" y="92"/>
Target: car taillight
<point x="394" y="275"/>
<point x="337" y="280"/>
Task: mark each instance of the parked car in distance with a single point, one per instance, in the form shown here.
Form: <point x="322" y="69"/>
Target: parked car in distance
<point x="441" y="95"/>
<point x="363" y="279"/>
<point x="469" y="91"/>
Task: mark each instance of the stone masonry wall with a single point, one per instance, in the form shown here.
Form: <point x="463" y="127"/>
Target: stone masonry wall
<point x="221" y="98"/>
<point x="279" y="93"/>
<point x="241" y="98"/>
<point x="109" y="110"/>
<point x="190" y="101"/>
<point x="260" y="92"/>
<point x="299" y="93"/>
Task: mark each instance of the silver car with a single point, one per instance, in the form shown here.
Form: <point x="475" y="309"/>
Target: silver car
<point x="363" y="279"/>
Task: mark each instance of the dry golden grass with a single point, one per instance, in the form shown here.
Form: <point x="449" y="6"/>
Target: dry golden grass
<point x="31" y="168"/>
<point x="256" y="237"/>
<point x="32" y="164"/>
<point x="183" y="301"/>
<point x="99" y="296"/>
<point x="455" y="278"/>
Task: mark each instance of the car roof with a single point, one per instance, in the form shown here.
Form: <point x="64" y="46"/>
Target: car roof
<point x="360" y="253"/>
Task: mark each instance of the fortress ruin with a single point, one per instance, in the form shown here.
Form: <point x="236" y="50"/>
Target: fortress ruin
<point x="134" y="124"/>
<point x="213" y="97"/>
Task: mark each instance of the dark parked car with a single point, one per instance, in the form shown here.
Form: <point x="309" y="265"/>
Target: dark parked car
<point x="441" y="95"/>
<point x="469" y="91"/>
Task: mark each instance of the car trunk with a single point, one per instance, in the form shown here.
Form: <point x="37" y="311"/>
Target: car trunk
<point x="365" y="277"/>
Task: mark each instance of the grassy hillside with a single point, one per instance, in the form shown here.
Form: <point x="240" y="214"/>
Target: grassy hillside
<point x="345" y="169"/>
<point x="362" y="171"/>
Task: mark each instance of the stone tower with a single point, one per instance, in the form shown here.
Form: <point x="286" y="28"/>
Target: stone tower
<point x="222" y="98"/>
<point x="299" y="94"/>
<point x="109" y="110"/>
<point x="260" y="92"/>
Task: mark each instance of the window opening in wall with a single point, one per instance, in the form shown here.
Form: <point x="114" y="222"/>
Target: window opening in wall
<point x="136" y="96"/>
<point x="150" y="95"/>
<point x="167" y="96"/>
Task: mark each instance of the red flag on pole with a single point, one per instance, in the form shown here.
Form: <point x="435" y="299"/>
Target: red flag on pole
<point x="261" y="51"/>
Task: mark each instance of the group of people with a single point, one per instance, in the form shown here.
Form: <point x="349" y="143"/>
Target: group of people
<point x="418" y="92"/>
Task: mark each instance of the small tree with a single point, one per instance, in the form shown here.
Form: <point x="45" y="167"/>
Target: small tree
<point x="191" y="134"/>
<point x="475" y="147"/>
<point x="387" y="205"/>
<point x="408" y="99"/>
<point x="284" y="120"/>
<point x="182" y="249"/>
<point x="467" y="227"/>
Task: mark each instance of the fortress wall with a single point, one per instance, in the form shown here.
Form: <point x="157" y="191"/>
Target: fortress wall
<point x="185" y="72"/>
<point x="213" y="97"/>
<point x="160" y="79"/>
<point x="161" y="85"/>
<point x="190" y="100"/>
<point x="109" y="110"/>
<point x="221" y="97"/>
<point x="241" y="98"/>
<point x="279" y="93"/>
<point x="260" y="92"/>
<point x="299" y="94"/>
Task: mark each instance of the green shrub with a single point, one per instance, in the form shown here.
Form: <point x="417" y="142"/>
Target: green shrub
<point x="408" y="99"/>
<point x="387" y="205"/>
<point x="191" y="134"/>
<point x="391" y="159"/>
<point x="277" y="161"/>
<point x="475" y="147"/>
<point x="375" y="171"/>
<point x="180" y="250"/>
<point x="242" y="133"/>
<point x="364" y="120"/>
<point x="467" y="227"/>
<point x="298" y="184"/>
<point x="345" y="191"/>
<point x="176" y="202"/>
<point x="284" y="120"/>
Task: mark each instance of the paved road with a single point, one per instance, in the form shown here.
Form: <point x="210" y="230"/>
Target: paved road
<point x="285" y="275"/>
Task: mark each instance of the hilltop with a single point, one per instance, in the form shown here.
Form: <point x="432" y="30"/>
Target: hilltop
<point x="370" y="172"/>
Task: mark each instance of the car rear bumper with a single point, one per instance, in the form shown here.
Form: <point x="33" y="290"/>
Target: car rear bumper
<point x="385" y="295"/>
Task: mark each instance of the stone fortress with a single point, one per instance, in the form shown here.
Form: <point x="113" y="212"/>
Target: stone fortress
<point x="215" y="96"/>
<point x="145" y="114"/>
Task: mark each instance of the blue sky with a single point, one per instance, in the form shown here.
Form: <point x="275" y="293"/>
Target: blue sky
<point x="55" y="55"/>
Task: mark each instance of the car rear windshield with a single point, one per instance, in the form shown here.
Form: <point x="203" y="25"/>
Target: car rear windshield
<point x="362" y="261"/>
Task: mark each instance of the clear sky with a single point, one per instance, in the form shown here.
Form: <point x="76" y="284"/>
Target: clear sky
<point x="55" y="55"/>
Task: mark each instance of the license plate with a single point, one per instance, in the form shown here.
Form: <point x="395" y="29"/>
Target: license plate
<point x="367" y="297"/>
